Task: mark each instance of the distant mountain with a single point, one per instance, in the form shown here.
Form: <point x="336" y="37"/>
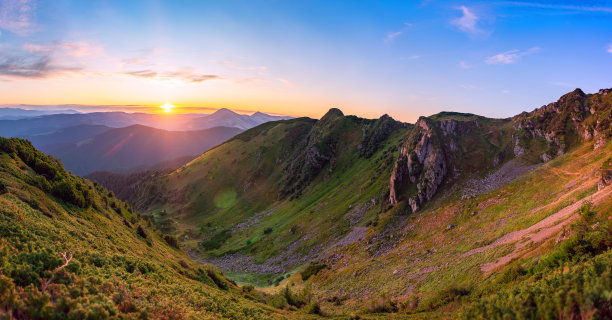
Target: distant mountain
<point x="134" y="146"/>
<point x="24" y="128"/>
<point x="67" y="135"/>
<point x="228" y="118"/>
<point x="19" y="113"/>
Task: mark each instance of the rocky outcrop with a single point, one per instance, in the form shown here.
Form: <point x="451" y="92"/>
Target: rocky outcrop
<point x="606" y="175"/>
<point x="312" y="155"/>
<point x="375" y="133"/>
<point x="575" y="113"/>
<point x="421" y="164"/>
<point x="605" y="180"/>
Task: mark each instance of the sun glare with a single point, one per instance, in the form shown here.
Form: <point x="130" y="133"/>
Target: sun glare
<point x="167" y="107"/>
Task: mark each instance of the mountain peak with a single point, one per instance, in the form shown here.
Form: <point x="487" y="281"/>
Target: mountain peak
<point x="224" y="111"/>
<point x="333" y="113"/>
<point x="259" y="114"/>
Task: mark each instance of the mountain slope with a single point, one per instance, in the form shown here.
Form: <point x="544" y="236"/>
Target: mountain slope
<point x="136" y="146"/>
<point x="383" y="214"/>
<point x="67" y="135"/>
<point x="71" y="250"/>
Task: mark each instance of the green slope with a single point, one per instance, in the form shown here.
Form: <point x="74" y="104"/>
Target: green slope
<point x="377" y="216"/>
<point x="120" y="266"/>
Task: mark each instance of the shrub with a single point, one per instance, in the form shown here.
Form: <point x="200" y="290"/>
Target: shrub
<point x="382" y="305"/>
<point x="171" y="240"/>
<point x="217" y="279"/>
<point x="314" y="308"/>
<point x="312" y="270"/>
<point x="217" y="241"/>
<point x="267" y="230"/>
<point x="141" y="232"/>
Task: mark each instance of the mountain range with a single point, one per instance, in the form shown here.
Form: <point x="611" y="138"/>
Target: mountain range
<point x="456" y="216"/>
<point x="85" y="142"/>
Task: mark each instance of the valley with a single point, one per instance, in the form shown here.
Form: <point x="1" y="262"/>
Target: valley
<point x="389" y="215"/>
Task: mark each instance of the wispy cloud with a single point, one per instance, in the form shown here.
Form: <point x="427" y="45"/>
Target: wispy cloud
<point x="32" y="66"/>
<point x="468" y="22"/>
<point x="184" y="75"/>
<point x="560" y="6"/>
<point x="237" y="67"/>
<point x="392" y="35"/>
<point x="286" y="82"/>
<point x="610" y="48"/>
<point x="17" y="16"/>
<point x="413" y="57"/>
<point x="464" y="65"/>
<point x="135" y="61"/>
<point x="510" y="57"/>
<point x="80" y="49"/>
<point x="469" y="86"/>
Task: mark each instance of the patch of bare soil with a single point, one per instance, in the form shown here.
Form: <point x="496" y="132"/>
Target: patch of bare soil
<point x="543" y="230"/>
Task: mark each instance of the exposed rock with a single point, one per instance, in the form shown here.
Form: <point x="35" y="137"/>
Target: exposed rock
<point x="605" y="180"/>
<point x="421" y="163"/>
<point x="588" y="116"/>
<point x="545" y="157"/>
<point x="497" y="160"/>
<point x="450" y="226"/>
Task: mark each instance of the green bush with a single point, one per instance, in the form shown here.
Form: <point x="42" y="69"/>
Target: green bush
<point x="311" y="270"/>
<point x="217" y="240"/>
<point x="171" y="240"/>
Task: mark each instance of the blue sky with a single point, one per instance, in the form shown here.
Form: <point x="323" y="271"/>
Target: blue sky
<point x="404" y="58"/>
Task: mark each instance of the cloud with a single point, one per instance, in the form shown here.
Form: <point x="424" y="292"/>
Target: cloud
<point x="391" y="36"/>
<point x="237" y="67"/>
<point x="31" y="47"/>
<point x="560" y="6"/>
<point x="469" y="86"/>
<point x="33" y="66"/>
<point x="80" y="49"/>
<point x="610" y="48"/>
<point x="184" y="75"/>
<point x="467" y="22"/>
<point x="510" y="57"/>
<point x="464" y="65"/>
<point x="286" y="82"/>
<point x="413" y="57"/>
<point x="135" y="61"/>
<point x="17" y="16"/>
<point x="505" y="91"/>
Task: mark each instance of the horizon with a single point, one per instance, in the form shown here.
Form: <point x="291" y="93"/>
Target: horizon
<point x="301" y="59"/>
<point x="142" y="109"/>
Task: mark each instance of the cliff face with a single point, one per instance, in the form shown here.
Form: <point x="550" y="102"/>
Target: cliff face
<point x="423" y="162"/>
<point x="458" y="143"/>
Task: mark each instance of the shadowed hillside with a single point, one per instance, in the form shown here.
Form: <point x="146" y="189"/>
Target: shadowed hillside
<point x="136" y="146"/>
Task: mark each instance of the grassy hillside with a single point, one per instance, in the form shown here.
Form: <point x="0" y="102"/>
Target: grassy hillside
<point x="134" y="146"/>
<point x="434" y="220"/>
<point x="71" y="250"/>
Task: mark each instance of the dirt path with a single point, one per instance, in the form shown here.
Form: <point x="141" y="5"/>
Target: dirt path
<point x="538" y="232"/>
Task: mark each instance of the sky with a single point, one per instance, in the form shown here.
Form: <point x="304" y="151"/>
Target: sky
<point x="300" y="58"/>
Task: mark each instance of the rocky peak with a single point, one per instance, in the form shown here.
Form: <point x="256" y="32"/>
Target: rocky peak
<point x="574" y="113"/>
<point x="332" y="114"/>
<point x="421" y="164"/>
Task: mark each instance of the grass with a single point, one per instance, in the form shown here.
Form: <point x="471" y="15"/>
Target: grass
<point x="413" y="258"/>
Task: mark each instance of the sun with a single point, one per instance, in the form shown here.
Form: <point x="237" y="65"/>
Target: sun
<point x="167" y="107"/>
